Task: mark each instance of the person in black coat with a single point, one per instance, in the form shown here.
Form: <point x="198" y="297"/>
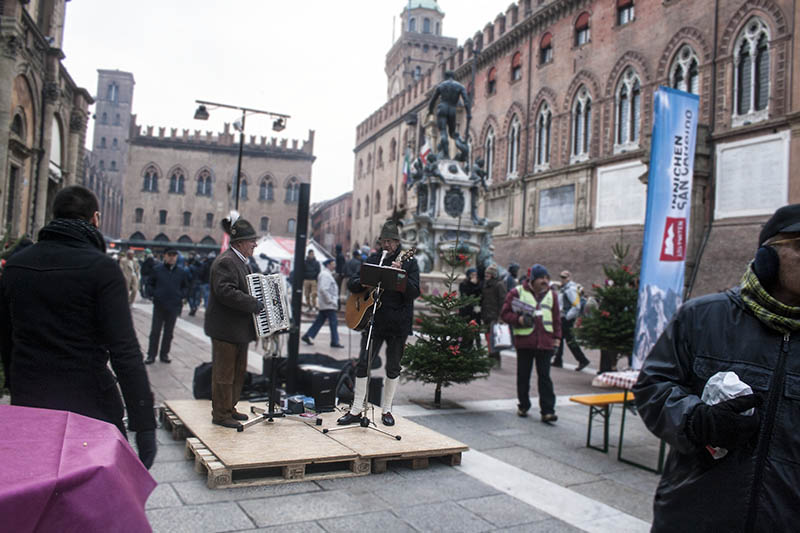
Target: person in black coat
<point x="392" y="325"/>
<point x="63" y="315"/>
<point x="311" y="270"/>
<point x="169" y="285"/>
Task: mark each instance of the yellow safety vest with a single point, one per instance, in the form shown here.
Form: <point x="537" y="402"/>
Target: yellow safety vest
<point x="545" y="306"/>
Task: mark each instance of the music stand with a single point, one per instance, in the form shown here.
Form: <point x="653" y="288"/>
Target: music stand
<point x="381" y="278"/>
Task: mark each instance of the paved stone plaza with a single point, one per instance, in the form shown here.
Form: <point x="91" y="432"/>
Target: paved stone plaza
<point x="519" y="475"/>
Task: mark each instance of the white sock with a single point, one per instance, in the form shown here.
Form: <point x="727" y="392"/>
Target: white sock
<point x="388" y="394"/>
<point x="358" y="396"/>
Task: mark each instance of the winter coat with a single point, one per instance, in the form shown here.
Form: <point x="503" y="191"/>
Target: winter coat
<point x="751" y="486"/>
<point x="352" y="267"/>
<point x="540" y="339"/>
<point x="327" y="291"/>
<point x="229" y="316"/>
<point x="467" y="288"/>
<point x="394" y="316"/>
<point x="570" y="300"/>
<point x="311" y="269"/>
<point x="64" y="315"/>
<point x="492" y="296"/>
<point x="169" y="286"/>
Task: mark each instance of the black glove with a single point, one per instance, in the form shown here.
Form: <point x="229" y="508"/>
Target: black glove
<point x="146" y="442"/>
<point x="260" y="305"/>
<point x="722" y="424"/>
<point x="527" y="321"/>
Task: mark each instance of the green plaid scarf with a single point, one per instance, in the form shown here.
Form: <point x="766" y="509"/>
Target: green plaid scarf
<point x="771" y="312"/>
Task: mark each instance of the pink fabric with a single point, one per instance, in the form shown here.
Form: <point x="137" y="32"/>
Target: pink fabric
<point x="624" y="379"/>
<point x="66" y="472"/>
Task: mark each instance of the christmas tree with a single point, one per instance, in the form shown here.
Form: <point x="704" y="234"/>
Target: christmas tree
<point x="611" y="324"/>
<point x="448" y="349"/>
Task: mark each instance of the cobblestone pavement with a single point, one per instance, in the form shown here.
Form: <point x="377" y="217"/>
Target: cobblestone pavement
<point x="519" y="475"/>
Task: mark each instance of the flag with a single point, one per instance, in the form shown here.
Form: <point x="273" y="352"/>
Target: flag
<point x="425" y="150"/>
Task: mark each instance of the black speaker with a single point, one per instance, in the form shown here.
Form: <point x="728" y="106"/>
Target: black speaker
<point x="375" y="390"/>
<point x="319" y="382"/>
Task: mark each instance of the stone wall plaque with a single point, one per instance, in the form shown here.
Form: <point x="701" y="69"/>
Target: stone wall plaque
<point x="621" y="197"/>
<point x="557" y="207"/>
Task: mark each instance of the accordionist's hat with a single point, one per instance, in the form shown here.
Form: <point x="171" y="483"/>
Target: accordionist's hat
<point x="239" y="229"/>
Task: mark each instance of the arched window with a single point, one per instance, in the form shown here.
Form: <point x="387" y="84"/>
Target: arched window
<point x="390" y="198"/>
<point x="380" y="157"/>
<point x="162" y="217"/>
<point x="628" y="110"/>
<point x="377" y="202"/>
<point x="150" y="179"/>
<point x="112" y="94"/>
<point x="104" y="118"/>
<point x="366" y="206"/>
<point x="138" y="215"/>
<point x="185" y="239"/>
<point x="360" y="167"/>
<point x="291" y="225"/>
<point x="488" y="147"/>
<point x="266" y="190"/>
<point x="18" y="126"/>
<point x="208" y="240"/>
<point x="582" y="35"/>
<point x="513" y="148"/>
<point x="137" y="236"/>
<point x="161" y="237"/>
<point x="369" y="162"/>
<point x="117" y="119"/>
<point x="243" y="189"/>
<point x="543" y="125"/>
<point x="209" y="220"/>
<point x="177" y="182"/>
<point x="751" y="60"/>
<point x="292" y="191"/>
<point x="546" y="49"/>
<point x="264" y="225"/>
<point x="684" y="74"/>
<point x="491" y="81"/>
<point x="516" y="67"/>
<point x="113" y="165"/>
<point x="102" y="142"/>
<point x="412" y="24"/>
<point x="393" y="150"/>
<point x="102" y="164"/>
<point x="426" y="25"/>
<point x="187" y="218"/>
<point x="581" y="125"/>
<point x="624" y="11"/>
<point x="115" y="144"/>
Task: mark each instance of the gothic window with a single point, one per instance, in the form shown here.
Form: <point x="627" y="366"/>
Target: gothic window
<point x="684" y="74"/>
<point x="116" y="119"/>
<point x="581" y="125"/>
<point x="412" y="24"/>
<point x="104" y="118"/>
<point x="264" y="225"/>
<point x="137" y="236"/>
<point x="516" y="67"/>
<point x="185" y="239"/>
<point x="113" y="165"/>
<point x="360" y="167"/>
<point x="390" y="198"/>
<point x="266" y="190"/>
<point x="139" y="215"/>
<point x="209" y="220"/>
<point x="292" y="191"/>
<point x="624" y="11"/>
<point x="491" y="81"/>
<point x="513" y="147"/>
<point x="369" y="162"/>
<point x="177" y="182"/>
<point x="629" y="97"/>
<point x="102" y="142"/>
<point x="102" y="164"/>
<point x="380" y="157"/>
<point x="208" y="240"/>
<point x="291" y="225"/>
<point x="393" y="150"/>
<point x="187" y="218"/>
<point x="161" y="237"/>
<point x="115" y="144"/>
<point x="426" y="25"/>
<point x="751" y="81"/>
<point x="488" y="151"/>
<point x="112" y="94"/>
<point x="377" y="202"/>
<point x="18" y="126"/>
<point x="243" y="189"/>
<point x="582" y="35"/>
<point x="162" y="217"/>
<point x="546" y="49"/>
<point x="366" y="206"/>
<point x="543" y="126"/>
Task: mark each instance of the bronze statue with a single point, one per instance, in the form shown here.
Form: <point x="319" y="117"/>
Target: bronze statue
<point x="448" y="93"/>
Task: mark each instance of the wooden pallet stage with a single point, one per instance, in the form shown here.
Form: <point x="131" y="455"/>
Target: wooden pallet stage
<point x="294" y="449"/>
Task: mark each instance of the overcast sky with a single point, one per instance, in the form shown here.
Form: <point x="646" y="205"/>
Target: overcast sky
<point x="320" y="61"/>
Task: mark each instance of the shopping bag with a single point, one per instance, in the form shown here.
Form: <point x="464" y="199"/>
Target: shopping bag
<point x="501" y="337"/>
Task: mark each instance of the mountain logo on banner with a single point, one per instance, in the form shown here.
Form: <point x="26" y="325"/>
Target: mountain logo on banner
<point x="673" y="246"/>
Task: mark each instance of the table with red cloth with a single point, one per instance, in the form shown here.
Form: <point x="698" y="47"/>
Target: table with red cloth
<point x="66" y="472"/>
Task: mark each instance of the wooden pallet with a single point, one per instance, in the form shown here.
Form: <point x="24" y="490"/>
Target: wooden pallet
<point x="221" y="475"/>
<point x="173" y="424"/>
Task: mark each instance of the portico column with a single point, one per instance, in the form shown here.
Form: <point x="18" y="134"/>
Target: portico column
<point x="51" y="93"/>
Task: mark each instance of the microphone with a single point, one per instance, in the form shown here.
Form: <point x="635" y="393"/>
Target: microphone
<point x="383" y="256"/>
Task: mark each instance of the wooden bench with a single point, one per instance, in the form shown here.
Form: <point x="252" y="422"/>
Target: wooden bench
<point x="600" y="404"/>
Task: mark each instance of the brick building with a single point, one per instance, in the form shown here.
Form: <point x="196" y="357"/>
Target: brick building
<point x="563" y="94"/>
<point x="44" y="112"/>
<point x="331" y="220"/>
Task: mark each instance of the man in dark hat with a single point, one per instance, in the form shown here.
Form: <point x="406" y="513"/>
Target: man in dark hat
<point x="168" y="285"/>
<point x="392" y="325"/>
<point x="750" y="330"/>
<point x="64" y="315"/>
<point x="229" y="322"/>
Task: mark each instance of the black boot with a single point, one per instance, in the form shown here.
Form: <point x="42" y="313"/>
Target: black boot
<point x="349" y="418"/>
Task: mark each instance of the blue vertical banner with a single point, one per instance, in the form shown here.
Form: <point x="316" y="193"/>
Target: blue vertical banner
<point x="666" y="226"/>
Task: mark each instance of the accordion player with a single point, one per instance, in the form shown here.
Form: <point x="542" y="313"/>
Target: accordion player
<point x="271" y="291"/>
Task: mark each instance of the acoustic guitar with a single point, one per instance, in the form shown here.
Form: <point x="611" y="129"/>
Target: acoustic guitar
<point x="359" y="307"/>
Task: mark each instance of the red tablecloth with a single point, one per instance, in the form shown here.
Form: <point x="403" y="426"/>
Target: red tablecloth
<point x="66" y="472"/>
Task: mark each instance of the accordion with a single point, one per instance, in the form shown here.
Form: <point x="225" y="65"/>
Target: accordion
<point x="271" y="291"/>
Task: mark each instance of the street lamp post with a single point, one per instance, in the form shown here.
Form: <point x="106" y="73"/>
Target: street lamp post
<point x="278" y="125"/>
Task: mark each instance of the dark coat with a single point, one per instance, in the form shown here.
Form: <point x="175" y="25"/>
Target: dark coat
<point x="394" y="316"/>
<point x="467" y="288"/>
<point x="229" y="316"/>
<point x="755" y="485"/>
<point x="539" y="339"/>
<point x="168" y="287"/>
<point x="352" y="267"/>
<point x="493" y="295"/>
<point x="311" y="269"/>
<point x="63" y="315"/>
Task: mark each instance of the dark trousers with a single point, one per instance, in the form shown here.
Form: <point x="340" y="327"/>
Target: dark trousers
<point x="547" y="398"/>
<point x="333" y="321"/>
<point x="568" y="338"/>
<point x="394" y="352"/>
<point x="228" y="370"/>
<point x="161" y="319"/>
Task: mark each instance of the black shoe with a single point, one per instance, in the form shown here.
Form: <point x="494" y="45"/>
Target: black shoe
<point x="581" y="366"/>
<point x="337" y="345"/>
<point x="192" y="312"/>
<point x="307" y="340"/>
<point x="558" y="363"/>
<point x="349" y="418"/>
<point x="549" y="417"/>
<point x="149" y="360"/>
<point x="239" y="416"/>
<point x="387" y="419"/>
<point x="227" y="422"/>
<point x="165" y="359"/>
<point x="522" y="412"/>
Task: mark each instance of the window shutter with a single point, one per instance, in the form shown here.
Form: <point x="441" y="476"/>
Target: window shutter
<point x="546" y="40"/>
<point x="516" y="61"/>
<point x="624" y="3"/>
<point x="583" y="21"/>
<point x="762" y="74"/>
<point x="492" y="74"/>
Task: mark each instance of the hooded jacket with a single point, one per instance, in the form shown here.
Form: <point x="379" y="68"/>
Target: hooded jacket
<point x="755" y="487"/>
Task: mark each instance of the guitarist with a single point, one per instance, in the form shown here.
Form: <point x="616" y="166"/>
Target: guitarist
<point x="392" y="325"/>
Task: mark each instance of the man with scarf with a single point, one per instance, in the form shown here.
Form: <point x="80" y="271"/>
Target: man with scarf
<point x="750" y="330"/>
<point x="63" y="315"/>
<point x="392" y="325"/>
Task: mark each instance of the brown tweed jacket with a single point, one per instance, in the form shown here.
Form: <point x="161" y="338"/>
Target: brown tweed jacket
<point x="229" y="316"/>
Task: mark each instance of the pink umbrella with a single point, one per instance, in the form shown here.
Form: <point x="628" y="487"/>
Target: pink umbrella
<point x="62" y="471"/>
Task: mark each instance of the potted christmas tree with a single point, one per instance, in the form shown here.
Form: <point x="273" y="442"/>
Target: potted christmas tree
<point x="610" y="324"/>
